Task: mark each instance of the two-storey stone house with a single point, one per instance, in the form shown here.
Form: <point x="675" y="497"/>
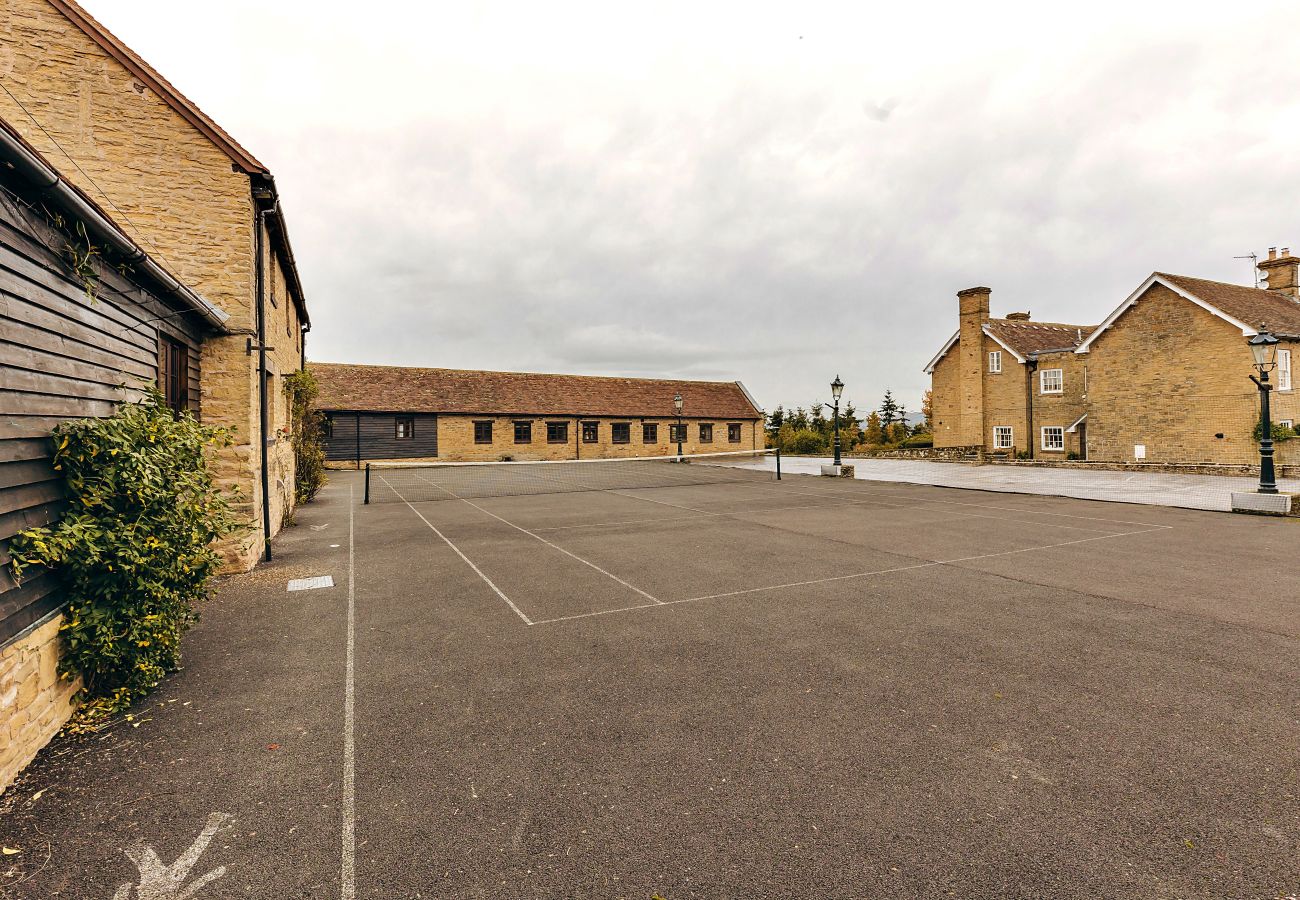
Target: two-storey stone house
<point x="1163" y="379"/>
<point x="199" y="203"/>
<point x="1009" y="385"/>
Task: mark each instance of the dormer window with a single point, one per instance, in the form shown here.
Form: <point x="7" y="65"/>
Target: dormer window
<point x="995" y="362"/>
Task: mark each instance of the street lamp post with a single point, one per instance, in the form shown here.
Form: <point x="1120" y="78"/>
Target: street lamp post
<point x="677" y="405"/>
<point x="1263" y="347"/>
<point x="837" y="388"/>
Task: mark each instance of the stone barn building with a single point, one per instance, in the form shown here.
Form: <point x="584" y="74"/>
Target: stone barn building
<point x="201" y="204"/>
<point x="396" y="413"/>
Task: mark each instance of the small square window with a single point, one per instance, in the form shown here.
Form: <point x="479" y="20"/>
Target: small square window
<point x="621" y="433"/>
<point x="523" y="432"/>
<point x="590" y="432"/>
<point x="1053" y="438"/>
<point x="733" y="433"/>
<point x="650" y="433"/>
<point x="557" y="432"/>
<point x="706" y="432"/>
<point x="1052" y="381"/>
<point x="995" y="362"/>
<point x="677" y="433"/>
<point x="404" y="428"/>
<point x="1003" y="438"/>
<point x="482" y="432"/>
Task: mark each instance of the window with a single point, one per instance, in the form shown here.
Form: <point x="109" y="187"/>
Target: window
<point x="1002" y="437"/>
<point x="523" y="432"/>
<point x="733" y="432"/>
<point x="557" y="432"/>
<point x="706" y="432"/>
<point x="327" y="427"/>
<point x="1053" y="437"/>
<point x="1286" y="423"/>
<point x="650" y="433"/>
<point x="995" y="362"/>
<point x="677" y="433"/>
<point x="621" y="432"/>
<point x="174" y="373"/>
<point x="1051" y="381"/>
<point x="404" y="428"/>
<point x="1284" y="370"/>
<point x="590" y="432"/>
<point x="483" y="432"/>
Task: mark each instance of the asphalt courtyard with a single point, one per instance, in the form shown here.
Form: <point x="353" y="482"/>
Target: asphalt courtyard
<point x="807" y="689"/>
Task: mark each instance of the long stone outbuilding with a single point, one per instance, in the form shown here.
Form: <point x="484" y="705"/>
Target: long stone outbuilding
<point x="407" y="413"/>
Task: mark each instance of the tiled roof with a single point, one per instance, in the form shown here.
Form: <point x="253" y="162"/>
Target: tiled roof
<point x="474" y="392"/>
<point x="1028" y="338"/>
<point x="1254" y="307"/>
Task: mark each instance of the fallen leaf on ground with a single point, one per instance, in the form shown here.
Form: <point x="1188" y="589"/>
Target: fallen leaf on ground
<point x="10" y="851"/>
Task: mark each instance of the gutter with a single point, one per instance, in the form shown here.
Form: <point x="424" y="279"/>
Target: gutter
<point x="268" y="200"/>
<point x="29" y="164"/>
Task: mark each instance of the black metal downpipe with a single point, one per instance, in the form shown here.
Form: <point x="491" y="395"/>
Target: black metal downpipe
<point x="260" y="224"/>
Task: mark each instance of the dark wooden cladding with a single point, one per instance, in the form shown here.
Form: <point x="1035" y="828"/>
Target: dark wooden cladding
<point x="377" y="436"/>
<point x="65" y="356"/>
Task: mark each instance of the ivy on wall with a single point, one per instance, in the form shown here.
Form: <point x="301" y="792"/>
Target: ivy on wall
<point x="306" y="435"/>
<point x="134" y="553"/>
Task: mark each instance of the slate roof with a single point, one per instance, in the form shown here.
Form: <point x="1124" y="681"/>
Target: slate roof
<point x="1254" y="307"/>
<point x="1028" y="338"/>
<point x="474" y="392"/>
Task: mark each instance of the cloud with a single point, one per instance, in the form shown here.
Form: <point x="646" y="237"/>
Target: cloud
<point x="700" y="193"/>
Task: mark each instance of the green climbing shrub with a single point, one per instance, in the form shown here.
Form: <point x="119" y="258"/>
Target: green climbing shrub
<point x="134" y="552"/>
<point x="307" y="437"/>
<point x="1280" y="432"/>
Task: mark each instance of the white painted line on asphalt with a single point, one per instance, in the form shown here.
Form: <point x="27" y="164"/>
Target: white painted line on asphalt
<point x="466" y="559"/>
<point x="585" y="562"/>
<point x="852" y="575"/>
<point x="311" y="584"/>
<point x="347" y="875"/>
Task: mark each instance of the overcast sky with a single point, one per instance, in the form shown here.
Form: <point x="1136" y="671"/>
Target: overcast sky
<point x="772" y="193"/>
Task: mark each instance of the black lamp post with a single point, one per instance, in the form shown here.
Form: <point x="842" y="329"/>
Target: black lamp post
<point x="1263" y="347"/>
<point x="837" y="388"/>
<point x="677" y="405"/>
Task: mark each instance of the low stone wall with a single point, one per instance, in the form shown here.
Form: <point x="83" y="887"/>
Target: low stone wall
<point x="34" y="700"/>
<point x="1163" y="468"/>
<point x="942" y="454"/>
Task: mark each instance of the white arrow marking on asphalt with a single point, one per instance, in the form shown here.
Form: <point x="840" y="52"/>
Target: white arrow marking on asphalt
<point x="159" y="882"/>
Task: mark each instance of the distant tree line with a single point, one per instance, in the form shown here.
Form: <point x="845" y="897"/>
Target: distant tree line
<point x="811" y="431"/>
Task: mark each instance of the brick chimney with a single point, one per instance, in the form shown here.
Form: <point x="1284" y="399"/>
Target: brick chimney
<point x="1282" y="272"/>
<point x="974" y="312"/>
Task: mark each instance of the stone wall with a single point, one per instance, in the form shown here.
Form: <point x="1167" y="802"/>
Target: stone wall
<point x="944" y="454"/>
<point x="1173" y="378"/>
<point x="175" y="192"/>
<point x="35" y="699"/>
<point x="456" y="438"/>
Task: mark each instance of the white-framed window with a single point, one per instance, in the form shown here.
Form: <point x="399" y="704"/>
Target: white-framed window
<point x="1286" y="423"/>
<point x="995" y="362"/>
<point x="1053" y="437"/>
<point x="1051" y="381"/>
<point x="1003" y="437"/>
<point x="1284" y="370"/>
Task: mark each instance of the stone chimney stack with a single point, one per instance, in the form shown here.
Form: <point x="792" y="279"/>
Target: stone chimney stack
<point x="974" y="312"/>
<point x="1282" y="272"/>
